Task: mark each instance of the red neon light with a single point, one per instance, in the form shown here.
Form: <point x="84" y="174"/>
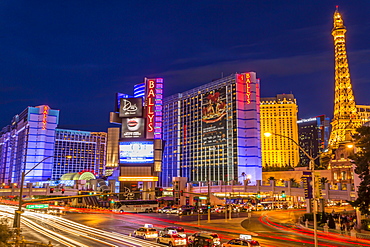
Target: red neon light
<point x="150" y="105"/>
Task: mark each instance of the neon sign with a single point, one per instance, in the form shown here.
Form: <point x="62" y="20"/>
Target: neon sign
<point x="44" y="117"/>
<point x="150" y="107"/>
<point x="248" y="87"/>
<point x="154" y="101"/>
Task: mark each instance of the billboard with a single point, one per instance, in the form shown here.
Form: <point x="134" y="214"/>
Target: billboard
<point x="214" y="117"/>
<point x="136" y="152"/>
<point x="133" y="128"/>
<point x="153" y="103"/>
<point x="119" y="96"/>
<point x="131" y="107"/>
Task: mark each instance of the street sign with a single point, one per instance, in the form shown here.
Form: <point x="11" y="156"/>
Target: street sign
<point x="37" y="206"/>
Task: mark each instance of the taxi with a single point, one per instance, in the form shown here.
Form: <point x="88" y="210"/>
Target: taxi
<point x="172" y="239"/>
<point x="243" y="240"/>
<point x="148" y="231"/>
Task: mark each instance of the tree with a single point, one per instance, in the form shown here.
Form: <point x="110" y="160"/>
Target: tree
<point x="5" y="232"/>
<point x="293" y="182"/>
<point x="323" y="181"/>
<point x="361" y="159"/>
<point x="324" y="160"/>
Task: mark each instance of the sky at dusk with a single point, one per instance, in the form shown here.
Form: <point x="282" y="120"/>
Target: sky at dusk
<point x="75" y="55"/>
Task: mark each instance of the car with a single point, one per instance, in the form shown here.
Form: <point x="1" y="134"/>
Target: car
<point x="203" y="210"/>
<point x="146" y="232"/>
<point x="185" y="211"/>
<point x="241" y="242"/>
<point x="173" y="230"/>
<point x="259" y="207"/>
<point x="200" y="239"/>
<point x="173" y="211"/>
<point x="220" y="209"/>
<point x="164" y="210"/>
<point x="172" y="239"/>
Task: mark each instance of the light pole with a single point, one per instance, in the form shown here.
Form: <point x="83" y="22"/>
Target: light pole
<point x="17" y="213"/>
<point x="312" y="168"/>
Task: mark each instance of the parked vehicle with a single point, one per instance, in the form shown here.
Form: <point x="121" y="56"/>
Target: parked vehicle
<point x="164" y="210"/>
<point x="203" y="210"/>
<point x="185" y="211"/>
<point x="200" y="239"/>
<point x="173" y="211"/>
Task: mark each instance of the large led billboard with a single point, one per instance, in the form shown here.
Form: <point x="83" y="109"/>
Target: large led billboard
<point x="214" y="117"/>
<point x="136" y="152"/>
<point x="153" y="102"/>
<point x="133" y="128"/>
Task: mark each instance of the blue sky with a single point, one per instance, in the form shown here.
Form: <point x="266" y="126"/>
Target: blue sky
<point x="75" y="55"/>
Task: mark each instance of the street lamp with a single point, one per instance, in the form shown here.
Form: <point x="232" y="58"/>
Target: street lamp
<point x="312" y="168"/>
<point x="17" y="213"/>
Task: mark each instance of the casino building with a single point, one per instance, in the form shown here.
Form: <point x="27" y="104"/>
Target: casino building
<point x="32" y="140"/>
<point x="212" y="132"/>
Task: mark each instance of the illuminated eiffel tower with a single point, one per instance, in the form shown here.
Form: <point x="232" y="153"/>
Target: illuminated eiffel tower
<point x="346" y="119"/>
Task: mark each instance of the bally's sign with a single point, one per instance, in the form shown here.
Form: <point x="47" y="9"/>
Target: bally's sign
<point x="131" y="107"/>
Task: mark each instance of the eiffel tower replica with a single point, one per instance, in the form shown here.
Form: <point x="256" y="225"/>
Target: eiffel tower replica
<point x="346" y="119"/>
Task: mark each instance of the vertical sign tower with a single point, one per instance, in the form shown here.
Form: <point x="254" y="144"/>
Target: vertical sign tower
<point x="345" y="119"/>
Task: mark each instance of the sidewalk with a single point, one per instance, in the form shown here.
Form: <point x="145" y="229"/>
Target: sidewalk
<point x="230" y="226"/>
<point x="363" y="236"/>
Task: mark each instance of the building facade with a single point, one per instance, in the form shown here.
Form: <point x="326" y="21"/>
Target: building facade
<point x="279" y="117"/>
<point x="24" y="143"/>
<point x="212" y="132"/>
<point x="364" y="113"/>
<point x="33" y="144"/>
<point x="313" y="137"/>
<point x="79" y="151"/>
<point x="112" y="150"/>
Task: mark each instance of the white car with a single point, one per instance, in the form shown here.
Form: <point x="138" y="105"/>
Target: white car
<point x="172" y="240"/>
<point x="146" y="232"/>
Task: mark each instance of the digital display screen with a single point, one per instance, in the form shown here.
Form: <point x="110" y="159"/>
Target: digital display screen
<point x="140" y="152"/>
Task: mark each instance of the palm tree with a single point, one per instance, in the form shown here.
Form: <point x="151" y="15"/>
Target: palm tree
<point x="293" y="182"/>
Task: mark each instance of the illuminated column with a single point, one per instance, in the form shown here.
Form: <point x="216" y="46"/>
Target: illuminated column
<point x="346" y="118"/>
<point x="248" y="127"/>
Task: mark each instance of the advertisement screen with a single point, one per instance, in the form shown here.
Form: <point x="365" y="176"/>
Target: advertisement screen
<point x="214" y="117"/>
<point x="133" y="127"/>
<point x="136" y="152"/>
<point x="131" y="107"/>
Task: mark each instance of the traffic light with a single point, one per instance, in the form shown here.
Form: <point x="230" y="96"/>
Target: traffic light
<point x="51" y="190"/>
<point x="258" y="195"/>
<point x="209" y="206"/>
<point x="158" y="191"/>
<point x="181" y="192"/>
<point x="63" y="190"/>
<point x="283" y="194"/>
